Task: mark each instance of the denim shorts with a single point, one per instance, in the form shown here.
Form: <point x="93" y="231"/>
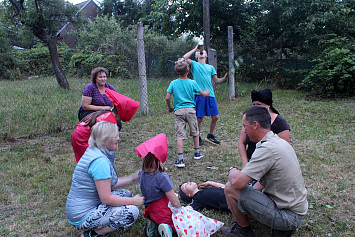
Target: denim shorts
<point x="260" y="207"/>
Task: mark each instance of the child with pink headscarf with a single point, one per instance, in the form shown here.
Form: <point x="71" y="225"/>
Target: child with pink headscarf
<point x="156" y="186"/>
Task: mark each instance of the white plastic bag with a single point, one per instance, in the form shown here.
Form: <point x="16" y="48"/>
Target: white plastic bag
<point x="191" y="223"/>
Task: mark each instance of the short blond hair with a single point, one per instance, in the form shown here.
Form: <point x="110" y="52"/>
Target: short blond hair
<point x="181" y="66"/>
<point x="100" y="133"/>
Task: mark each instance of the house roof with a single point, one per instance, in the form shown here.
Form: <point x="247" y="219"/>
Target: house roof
<point x="81" y="6"/>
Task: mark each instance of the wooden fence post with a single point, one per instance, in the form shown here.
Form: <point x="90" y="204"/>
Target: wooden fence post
<point x="212" y="60"/>
<point x="231" y="63"/>
<point x="142" y="70"/>
<point x="206" y="24"/>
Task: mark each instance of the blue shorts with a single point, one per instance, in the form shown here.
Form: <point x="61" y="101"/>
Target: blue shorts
<point x="206" y="106"/>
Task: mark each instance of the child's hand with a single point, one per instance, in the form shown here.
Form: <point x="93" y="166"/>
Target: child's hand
<point x="171" y="110"/>
<point x="204" y="185"/>
<point x="138" y="200"/>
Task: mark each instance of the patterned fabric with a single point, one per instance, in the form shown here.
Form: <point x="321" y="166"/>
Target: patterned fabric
<point x="117" y="218"/>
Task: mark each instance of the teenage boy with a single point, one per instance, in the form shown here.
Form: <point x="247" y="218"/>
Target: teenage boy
<point x="203" y="74"/>
<point x="183" y="90"/>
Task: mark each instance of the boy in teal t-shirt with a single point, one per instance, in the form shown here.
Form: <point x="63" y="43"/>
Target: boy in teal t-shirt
<point x="183" y="90"/>
<point x="203" y="74"/>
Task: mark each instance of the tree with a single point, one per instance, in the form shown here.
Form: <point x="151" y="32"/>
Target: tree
<point x="333" y="74"/>
<point x="44" y="17"/>
<point x="128" y="12"/>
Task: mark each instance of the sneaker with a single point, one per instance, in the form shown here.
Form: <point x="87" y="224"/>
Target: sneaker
<point x="179" y="163"/>
<point x="165" y="230"/>
<point x="150" y="228"/>
<point x="198" y="155"/>
<point x="200" y="142"/>
<point x="237" y="231"/>
<point x="210" y="138"/>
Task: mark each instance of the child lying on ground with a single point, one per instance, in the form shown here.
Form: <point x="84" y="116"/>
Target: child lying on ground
<point x="210" y="198"/>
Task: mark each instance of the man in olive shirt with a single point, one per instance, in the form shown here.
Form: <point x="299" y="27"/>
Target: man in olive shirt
<point x="282" y="204"/>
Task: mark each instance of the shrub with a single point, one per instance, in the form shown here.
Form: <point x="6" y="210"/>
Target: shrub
<point x="85" y="60"/>
<point x="333" y="74"/>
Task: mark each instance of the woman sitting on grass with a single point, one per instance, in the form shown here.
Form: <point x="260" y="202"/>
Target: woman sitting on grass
<point x="94" y="97"/>
<point x="96" y="204"/>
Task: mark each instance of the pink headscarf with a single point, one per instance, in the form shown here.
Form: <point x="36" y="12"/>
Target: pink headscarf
<point x="157" y="145"/>
<point x="126" y="106"/>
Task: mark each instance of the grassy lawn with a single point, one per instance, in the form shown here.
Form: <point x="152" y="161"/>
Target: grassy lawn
<point x="37" y="161"/>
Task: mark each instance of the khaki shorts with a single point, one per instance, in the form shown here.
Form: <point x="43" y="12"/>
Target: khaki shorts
<point x="260" y="207"/>
<point x="183" y="116"/>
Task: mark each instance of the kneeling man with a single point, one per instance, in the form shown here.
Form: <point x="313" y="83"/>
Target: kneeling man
<point x="282" y="204"/>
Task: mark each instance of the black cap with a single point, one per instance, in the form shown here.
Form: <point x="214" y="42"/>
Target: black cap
<point x="264" y="96"/>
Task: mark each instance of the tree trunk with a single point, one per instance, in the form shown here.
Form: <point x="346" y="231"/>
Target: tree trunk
<point x="59" y="74"/>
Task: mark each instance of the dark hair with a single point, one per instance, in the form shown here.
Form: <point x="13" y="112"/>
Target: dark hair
<point x="184" y="197"/>
<point x="96" y="71"/>
<point x="90" y="119"/>
<point x="260" y="114"/>
<point x="181" y="66"/>
<point x="151" y="164"/>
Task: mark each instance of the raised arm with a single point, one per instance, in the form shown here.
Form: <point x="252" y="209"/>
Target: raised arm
<point x="188" y="54"/>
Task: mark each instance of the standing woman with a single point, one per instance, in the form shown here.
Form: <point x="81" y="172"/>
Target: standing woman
<point x="96" y="204"/>
<point x="94" y="97"/>
<point x="278" y="125"/>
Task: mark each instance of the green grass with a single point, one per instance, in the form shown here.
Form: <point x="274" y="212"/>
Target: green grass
<point x="37" y="161"/>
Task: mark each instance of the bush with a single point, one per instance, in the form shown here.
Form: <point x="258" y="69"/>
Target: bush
<point x="333" y="74"/>
<point x="85" y="60"/>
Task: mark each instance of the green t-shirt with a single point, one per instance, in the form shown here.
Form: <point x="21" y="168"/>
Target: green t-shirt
<point x="203" y="75"/>
<point x="183" y="92"/>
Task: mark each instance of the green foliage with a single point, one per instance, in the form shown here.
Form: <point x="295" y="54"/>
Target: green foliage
<point x="35" y="61"/>
<point x="128" y="12"/>
<point x="334" y="72"/>
<point x="85" y="60"/>
<point x="6" y="61"/>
